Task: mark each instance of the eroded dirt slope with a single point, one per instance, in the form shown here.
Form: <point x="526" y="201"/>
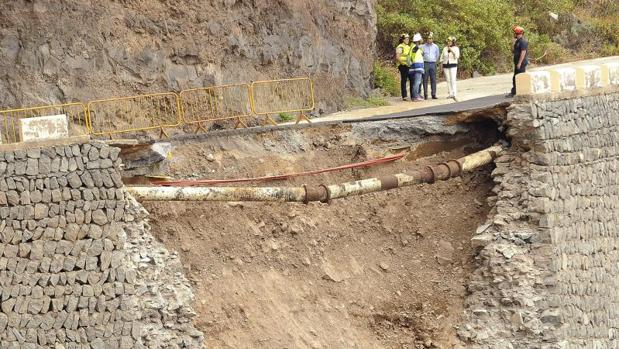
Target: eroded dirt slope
<point x="386" y="270"/>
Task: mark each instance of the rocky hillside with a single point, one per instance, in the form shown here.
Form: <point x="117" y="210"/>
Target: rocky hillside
<point x="72" y="50"/>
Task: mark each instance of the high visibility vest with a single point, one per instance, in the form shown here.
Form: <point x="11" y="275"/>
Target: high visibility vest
<point x="415" y="59"/>
<point x="403" y="51"/>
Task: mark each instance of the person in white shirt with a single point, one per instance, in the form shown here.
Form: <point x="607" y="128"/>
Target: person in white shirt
<point x="449" y="60"/>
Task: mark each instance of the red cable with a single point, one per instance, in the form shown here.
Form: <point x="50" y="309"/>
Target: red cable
<point x="196" y="182"/>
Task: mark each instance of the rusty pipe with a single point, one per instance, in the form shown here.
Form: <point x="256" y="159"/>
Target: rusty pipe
<point x="322" y="193"/>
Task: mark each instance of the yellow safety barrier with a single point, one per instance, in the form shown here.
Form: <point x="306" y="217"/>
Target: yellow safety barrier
<point x="283" y="96"/>
<point x="216" y="104"/>
<point x="10" y="125"/>
<point x="156" y="111"/>
<point x="159" y="111"/>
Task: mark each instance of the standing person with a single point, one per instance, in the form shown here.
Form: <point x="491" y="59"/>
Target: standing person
<point x="416" y="67"/>
<point x="449" y="60"/>
<point x="401" y="58"/>
<point x="431" y="54"/>
<point x="521" y="55"/>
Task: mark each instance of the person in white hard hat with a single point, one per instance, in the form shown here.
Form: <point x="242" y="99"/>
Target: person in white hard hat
<point x="416" y="66"/>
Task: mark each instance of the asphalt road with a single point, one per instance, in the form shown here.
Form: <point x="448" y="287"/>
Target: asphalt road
<point x="469" y="105"/>
<point x="445" y="109"/>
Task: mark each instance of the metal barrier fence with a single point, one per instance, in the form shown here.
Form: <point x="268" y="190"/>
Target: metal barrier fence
<point x="159" y="111"/>
<point x="283" y="96"/>
<point x="156" y="111"/>
<point x="222" y="104"/>
<point x="11" y="119"/>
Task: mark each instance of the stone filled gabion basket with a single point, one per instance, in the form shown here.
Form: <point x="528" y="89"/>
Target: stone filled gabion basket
<point x="78" y="265"/>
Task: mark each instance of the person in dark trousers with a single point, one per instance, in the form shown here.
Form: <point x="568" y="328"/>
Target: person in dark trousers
<point x="431" y="54"/>
<point x="416" y="67"/>
<point x="401" y="58"/>
<point x="521" y="55"/>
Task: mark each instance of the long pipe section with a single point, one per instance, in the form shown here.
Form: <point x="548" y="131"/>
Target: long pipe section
<point x="322" y="193"/>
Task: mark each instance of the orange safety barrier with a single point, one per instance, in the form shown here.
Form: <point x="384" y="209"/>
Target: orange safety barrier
<point x="216" y="104"/>
<point x="10" y="119"/>
<point x="156" y="111"/>
<point x="283" y="97"/>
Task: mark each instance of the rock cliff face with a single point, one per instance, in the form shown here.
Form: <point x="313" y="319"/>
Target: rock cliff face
<point x="59" y="51"/>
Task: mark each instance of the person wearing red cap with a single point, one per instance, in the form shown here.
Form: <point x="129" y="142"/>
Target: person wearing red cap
<point x="521" y="55"/>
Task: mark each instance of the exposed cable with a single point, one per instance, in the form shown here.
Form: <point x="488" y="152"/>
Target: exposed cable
<point x="198" y="182"/>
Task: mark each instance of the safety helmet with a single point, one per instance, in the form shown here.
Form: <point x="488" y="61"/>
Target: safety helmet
<point x="430" y="35"/>
<point x="518" y="30"/>
<point x="451" y="39"/>
<point x="416" y="37"/>
<point x="404" y="36"/>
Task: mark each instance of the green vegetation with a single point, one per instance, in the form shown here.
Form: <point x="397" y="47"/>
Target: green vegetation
<point x="386" y="79"/>
<point x="285" y="117"/>
<point x="372" y="101"/>
<point x="584" y="28"/>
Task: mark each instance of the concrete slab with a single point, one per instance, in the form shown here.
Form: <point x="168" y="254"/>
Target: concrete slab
<point x="469" y="105"/>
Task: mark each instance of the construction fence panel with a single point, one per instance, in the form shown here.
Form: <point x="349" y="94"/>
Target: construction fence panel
<point x="223" y="104"/>
<point x="11" y="119"/>
<point x="157" y="111"/>
<point x="285" y="96"/>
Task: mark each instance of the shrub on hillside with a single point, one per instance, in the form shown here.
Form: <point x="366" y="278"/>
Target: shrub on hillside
<point x="584" y="28"/>
<point x="544" y="51"/>
<point x="386" y="78"/>
<point x="370" y="102"/>
<point x="482" y="28"/>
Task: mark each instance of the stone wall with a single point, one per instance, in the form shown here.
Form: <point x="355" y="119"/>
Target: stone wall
<point x="548" y="261"/>
<point x="78" y="267"/>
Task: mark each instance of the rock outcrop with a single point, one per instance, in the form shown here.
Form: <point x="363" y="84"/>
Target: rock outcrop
<point x="60" y="51"/>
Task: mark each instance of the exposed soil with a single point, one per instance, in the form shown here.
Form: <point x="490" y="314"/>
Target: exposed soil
<point x="384" y="270"/>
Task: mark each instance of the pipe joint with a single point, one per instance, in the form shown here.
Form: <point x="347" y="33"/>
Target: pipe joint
<point x="327" y="195"/>
<point x="320" y="193"/>
<point x="388" y="182"/>
<point x="444" y="170"/>
<point x="454" y="168"/>
<point x="428" y="175"/>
